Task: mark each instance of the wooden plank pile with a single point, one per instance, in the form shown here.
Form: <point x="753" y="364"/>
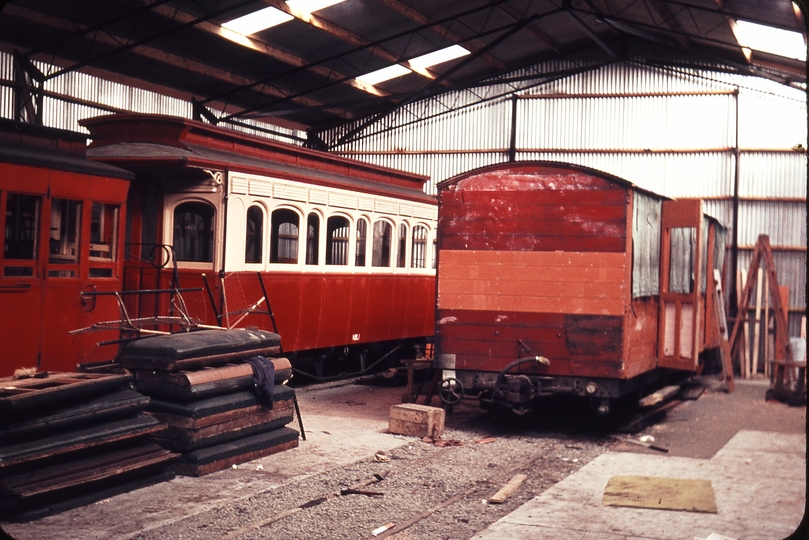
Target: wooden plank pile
<point x="222" y="400"/>
<point x="70" y="439"/>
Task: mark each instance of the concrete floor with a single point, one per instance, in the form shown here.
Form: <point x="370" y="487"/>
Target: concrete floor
<point x="752" y="451"/>
<point x="758" y="481"/>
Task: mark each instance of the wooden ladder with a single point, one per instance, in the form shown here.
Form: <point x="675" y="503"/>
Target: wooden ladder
<point x="780" y="374"/>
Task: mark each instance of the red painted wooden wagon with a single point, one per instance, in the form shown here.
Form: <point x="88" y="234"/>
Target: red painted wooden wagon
<point x="559" y="279"/>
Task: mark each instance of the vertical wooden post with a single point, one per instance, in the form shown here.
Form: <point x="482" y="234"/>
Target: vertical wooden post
<point x="765" y="327"/>
<point x="744" y="350"/>
<point x="757" y="323"/>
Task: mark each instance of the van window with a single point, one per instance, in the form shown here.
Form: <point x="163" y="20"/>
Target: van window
<point x="21" y="233"/>
<point x="254" y="235"/>
<point x="362" y="234"/>
<point x="64" y="236"/>
<point x="419" y="254"/>
<point x="312" y="238"/>
<point x="337" y="228"/>
<point x="382" y="238"/>
<point x="284" y="240"/>
<point x="193" y="232"/>
<point x="401" y="251"/>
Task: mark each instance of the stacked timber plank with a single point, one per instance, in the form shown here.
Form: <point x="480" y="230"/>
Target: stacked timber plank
<point x="203" y="386"/>
<point x="69" y="439"/>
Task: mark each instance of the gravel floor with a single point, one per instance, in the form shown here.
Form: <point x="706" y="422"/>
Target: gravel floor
<point x="426" y="491"/>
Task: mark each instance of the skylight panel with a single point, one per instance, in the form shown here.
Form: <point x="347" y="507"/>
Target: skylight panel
<point x="384" y="74"/>
<point x="268" y="17"/>
<point x="257" y="21"/>
<point x="438" y="57"/>
<point x="771" y="40"/>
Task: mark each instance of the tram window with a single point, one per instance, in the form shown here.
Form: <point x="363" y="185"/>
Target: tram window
<point x="312" y="238"/>
<point x="284" y="248"/>
<point x="103" y="231"/>
<point x="402" y="250"/>
<point x="21" y="231"/>
<point x="435" y="253"/>
<point x="64" y="235"/>
<point x="362" y="234"/>
<point x="193" y="232"/>
<point x="682" y="257"/>
<point x="382" y="238"/>
<point x="419" y="255"/>
<point x="337" y="240"/>
<point x="254" y="235"/>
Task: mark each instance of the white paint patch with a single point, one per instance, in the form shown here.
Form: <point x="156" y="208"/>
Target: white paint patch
<point x="447" y="320"/>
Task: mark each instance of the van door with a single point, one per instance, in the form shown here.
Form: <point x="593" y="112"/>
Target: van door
<point x="681" y="269"/>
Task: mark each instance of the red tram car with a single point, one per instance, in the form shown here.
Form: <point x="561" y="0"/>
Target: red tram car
<point x="559" y="279"/>
<point x="342" y="251"/>
<point x="63" y="235"/>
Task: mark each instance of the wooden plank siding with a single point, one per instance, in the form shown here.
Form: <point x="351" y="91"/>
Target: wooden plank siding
<point x="532" y="281"/>
<point x="577" y="345"/>
<point x="573" y="212"/>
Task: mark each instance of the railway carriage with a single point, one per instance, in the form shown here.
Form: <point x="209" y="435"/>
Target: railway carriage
<point x="556" y="279"/>
<point x="63" y="235"/>
<point x="342" y="251"/>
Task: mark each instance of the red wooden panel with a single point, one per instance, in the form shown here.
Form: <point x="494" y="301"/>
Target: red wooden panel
<point x="531" y="242"/>
<point x="533" y="208"/>
<point x="581" y="345"/>
<point x="548" y="197"/>
<point x="465" y="272"/>
<point x="532" y="177"/>
<point x="24" y="178"/>
<point x="20" y="324"/>
<point x="641" y="336"/>
<point x="317" y="310"/>
<point x="493" y="227"/>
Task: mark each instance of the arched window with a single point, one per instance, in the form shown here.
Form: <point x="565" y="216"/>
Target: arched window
<point x="382" y="238"/>
<point x="401" y="252"/>
<point x="254" y="235"/>
<point x="362" y="234"/>
<point x="284" y="241"/>
<point x="193" y="232"/>
<point x="419" y="254"/>
<point x="312" y="238"/>
<point x="337" y="228"/>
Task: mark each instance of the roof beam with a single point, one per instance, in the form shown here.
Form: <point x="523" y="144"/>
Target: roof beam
<point x="344" y="35"/>
<point x="159" y="55"/>
<point x="541" y="36"/>
<point x="413" y="15"/>
<point x="592" y="35"/>
<point x="263" y="48"/>
<point x="670" y="21"/>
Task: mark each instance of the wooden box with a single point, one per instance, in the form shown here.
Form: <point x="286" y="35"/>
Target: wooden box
<point x="416" y="420"/>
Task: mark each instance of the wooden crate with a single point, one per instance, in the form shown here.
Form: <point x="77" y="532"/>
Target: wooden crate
<point x="416" y="420"/>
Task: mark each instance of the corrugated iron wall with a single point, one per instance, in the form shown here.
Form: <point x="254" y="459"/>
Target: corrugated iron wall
<point x="74" y="96"/>
<point x="679" y="133"/>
